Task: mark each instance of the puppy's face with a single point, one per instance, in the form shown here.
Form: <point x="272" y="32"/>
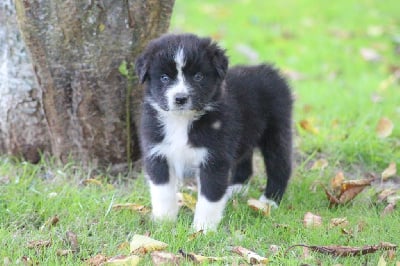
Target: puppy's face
<point x="182" y="72"/>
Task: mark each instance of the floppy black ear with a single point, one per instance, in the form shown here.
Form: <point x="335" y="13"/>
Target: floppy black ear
<point x="142" y="67"/>
<point x="220" y="60"/>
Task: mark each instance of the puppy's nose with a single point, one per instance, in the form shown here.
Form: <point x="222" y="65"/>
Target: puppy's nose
<point x="181" y="98"/>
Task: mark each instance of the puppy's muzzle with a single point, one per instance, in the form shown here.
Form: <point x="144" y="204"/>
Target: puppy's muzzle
<point x="181" y="99"/>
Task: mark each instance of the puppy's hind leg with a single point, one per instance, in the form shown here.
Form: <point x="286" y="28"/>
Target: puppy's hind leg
<point x="276" y="147"/>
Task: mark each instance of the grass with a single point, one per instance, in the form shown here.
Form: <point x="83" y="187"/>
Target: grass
<point x="317" y="41"/>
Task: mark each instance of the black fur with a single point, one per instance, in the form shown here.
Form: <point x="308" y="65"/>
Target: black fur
<point x="253" y="104"/>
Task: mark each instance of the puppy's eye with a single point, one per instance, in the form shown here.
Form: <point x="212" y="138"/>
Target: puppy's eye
<point x="164" y="78"/>
<point x="198" y="77"/>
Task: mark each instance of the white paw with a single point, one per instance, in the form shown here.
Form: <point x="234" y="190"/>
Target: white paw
<point x="270" y="202"/>
<point x="164" y="202"/>
<point x="208" y="214"/>
<point x="237" y="189"/>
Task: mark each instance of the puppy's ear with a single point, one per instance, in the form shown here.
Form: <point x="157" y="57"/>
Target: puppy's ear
<point x="220" y="60"/>
<point x="142" y="67"/>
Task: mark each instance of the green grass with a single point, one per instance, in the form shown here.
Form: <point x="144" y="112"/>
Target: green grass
<point x="319" y="40"/>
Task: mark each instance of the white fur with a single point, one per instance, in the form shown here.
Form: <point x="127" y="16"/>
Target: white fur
<point x="175" y="147"/>
<point x="180" y="85"/>
<point x="208" y="214"/>
<point x="270" y="202"/>
<point x="164" y="201"/>
<point x="217" y="125"/>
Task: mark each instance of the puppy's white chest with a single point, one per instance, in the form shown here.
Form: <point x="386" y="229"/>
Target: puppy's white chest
<point x="175" y="146"/>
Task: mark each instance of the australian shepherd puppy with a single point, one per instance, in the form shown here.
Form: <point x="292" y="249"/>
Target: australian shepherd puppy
<point x="198" y="116"/>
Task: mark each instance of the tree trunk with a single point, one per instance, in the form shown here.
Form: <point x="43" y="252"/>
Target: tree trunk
<point x="23" y="130"/>
<point x="77" y="48"/>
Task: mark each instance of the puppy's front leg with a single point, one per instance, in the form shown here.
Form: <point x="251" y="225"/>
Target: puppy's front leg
<point x="213" y="183"/>
<point x="163" y="189"/>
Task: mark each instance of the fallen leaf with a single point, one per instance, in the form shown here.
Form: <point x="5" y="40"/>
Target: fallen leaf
<point x="199" y="258"/>
<point x="320" y="164"/>
<point x="92" y="181"/>
<point x="50" y="222"/>
<point x="370" y="55"/>
<point x="388" y="209"/>
<point x="381" y="261"/>
<point x="122" y="260"/>
<point x="385" y="194"/>
<point x="97" y="260"/>
<point x="259" y="206"/>
<point x="250" y="256"/>
<point x="72" y="240"/>
<point x="339" y="222"/>
<point x="165" y="258"/>
<point x="337" y="181"/>
<point x="186" y="200"/>
<point x="142" y="244"/>
<point x="39" y="244"/>
<point x="308" y="126"/>
<point x="384" y="127"/>
<point x="131" y="206"/>
<point x="344" y="251"/>
<point x="389" y="171"/>
<point x="312" y="220"/>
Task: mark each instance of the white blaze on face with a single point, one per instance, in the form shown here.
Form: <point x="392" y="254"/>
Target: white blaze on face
<point x="180" y="85"/>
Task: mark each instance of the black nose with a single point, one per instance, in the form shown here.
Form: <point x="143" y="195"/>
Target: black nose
<point x="181" y="98"/>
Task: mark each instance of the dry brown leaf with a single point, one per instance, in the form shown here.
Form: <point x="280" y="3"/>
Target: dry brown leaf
<point x="50" y="222"/>
<point x="122" y="260"/>
<point x="260" y="206"/>
<point x="186" y="200"/>
<point x="131" y="206"/>
<point x="308" y="126"/>
<point x="337" y="181"/>
<point x="165" y="258"/>
<point x="199" y="258"/>
<point x="388" y="209"/>
<point x="142" y="244"/>
<point x="398" y="263"/>
<point x="97" y="260"/>
<point x="39" y="244"/>
<point x="344" y="251"/>
<point x="312" y="220"/>
<point x="389" y="171"/>
<point x="349" y="194"/>
<point x="250" y="256"/>
<point x="384" y="127"/>
<point x="320" y="164"/>
<point x="92" y="181"/>
<point x="339" y="222"/>
<point x="72" y="240"/>
<point x="385" y="194"/>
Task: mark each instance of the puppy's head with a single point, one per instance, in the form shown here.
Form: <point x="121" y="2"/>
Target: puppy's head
<point x="182" y="72"/>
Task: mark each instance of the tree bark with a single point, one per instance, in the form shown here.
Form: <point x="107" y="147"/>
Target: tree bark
<point x="23" y="130"/>
<point x="77" y="47"/>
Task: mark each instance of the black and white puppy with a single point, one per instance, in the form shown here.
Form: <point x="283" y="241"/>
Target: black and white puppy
<point x="199" y="116"/>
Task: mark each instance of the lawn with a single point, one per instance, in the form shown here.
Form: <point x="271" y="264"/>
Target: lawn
<point x="343" y="62"/>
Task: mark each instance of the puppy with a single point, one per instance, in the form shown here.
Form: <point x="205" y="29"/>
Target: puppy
<point x="199" y="116"/>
